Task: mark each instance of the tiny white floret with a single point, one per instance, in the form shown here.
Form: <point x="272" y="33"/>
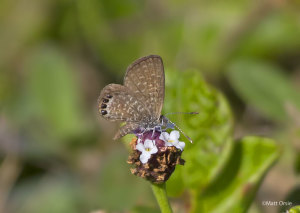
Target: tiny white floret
<point x="172" y="139"/>
<point x="147" y="149"/>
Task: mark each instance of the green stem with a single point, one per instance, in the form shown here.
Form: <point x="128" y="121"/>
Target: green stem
<point x="160" y="194"/>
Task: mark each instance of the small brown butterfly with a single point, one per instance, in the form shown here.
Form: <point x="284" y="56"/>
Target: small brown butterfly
<point x="139" y="101"/>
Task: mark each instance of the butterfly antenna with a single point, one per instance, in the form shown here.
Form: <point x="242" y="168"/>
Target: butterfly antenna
<point x="181" y="131"/>
<point x="190" y="113"/>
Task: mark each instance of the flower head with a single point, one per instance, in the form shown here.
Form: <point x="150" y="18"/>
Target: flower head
<point x="147" y="148"/>
<point x="154" y="157"/>
<point x="172" y="139"/>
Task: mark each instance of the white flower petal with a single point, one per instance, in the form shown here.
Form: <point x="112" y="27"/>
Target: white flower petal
<point x="153" y="150"/>
<point x="140" y="147"/>
<point x="144" y="157"/>
<point x="148" y="144"/>
<point x="180" y="145"/>
<point x="168" y="144"/>
<point x="174" y="135"/>
<point x="164" y="136"/>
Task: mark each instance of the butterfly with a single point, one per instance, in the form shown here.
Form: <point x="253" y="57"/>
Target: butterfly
<point x="139" y="101"/>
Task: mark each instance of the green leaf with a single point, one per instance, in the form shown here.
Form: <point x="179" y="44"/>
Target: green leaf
<point x="264" y="86"/>
<point x="210" y="129"/>
<point x="103" y="38"/>
<point x="277" y="34"/>
<point x="297" y="163"/>
<point x="50" y="103"/>
<point x="52" y="194"/>
<point x="295" y="209"/>
<point x="235" y="187"/>
<point x="118" y="189"/>
<point x="144" y="209"/>
<point x="53" y="92"/>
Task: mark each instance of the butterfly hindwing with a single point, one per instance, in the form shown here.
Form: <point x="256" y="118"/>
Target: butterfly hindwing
<point x="117" y="103"/>
<point x="126" y="129"/>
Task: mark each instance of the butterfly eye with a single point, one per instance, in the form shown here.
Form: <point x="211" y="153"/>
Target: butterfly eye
<point x="103" y="112"/>
<point x="105" y="100"/>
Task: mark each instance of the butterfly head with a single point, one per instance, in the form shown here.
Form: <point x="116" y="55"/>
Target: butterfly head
<point x="165" y="123"/>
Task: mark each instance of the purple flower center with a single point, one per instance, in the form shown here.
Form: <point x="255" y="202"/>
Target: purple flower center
<point x="150" y="135"/>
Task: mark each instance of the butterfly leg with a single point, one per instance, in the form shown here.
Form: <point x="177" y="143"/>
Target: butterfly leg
<point x="163" y="129"/>
<point x="159" y="128"/>
<point x="140" y="135"/>
<point x="153" y="130"/>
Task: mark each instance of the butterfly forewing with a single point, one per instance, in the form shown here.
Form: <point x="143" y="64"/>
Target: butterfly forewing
<point x="145" y="78"/>
<point x="118" y="103"/>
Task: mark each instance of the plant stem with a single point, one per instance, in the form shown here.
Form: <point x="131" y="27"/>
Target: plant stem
<point x="160" y="194"/>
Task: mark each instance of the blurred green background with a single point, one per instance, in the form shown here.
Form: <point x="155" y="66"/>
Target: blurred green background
<point x="57" y="154"/>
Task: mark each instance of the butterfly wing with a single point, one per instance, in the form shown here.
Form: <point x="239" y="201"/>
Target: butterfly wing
<point x="145" y="78"/>
<point x="126" y="129"/>
<point x="117" y="103"/>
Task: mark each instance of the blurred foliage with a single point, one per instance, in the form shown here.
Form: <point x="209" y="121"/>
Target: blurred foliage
<point x="211" y="129"/>
<point x="221" y="174"/>
<point x="56" y="56"/>
<point x="60" y="105"/>
<point x="297" y="164"/>
<point x="265" y="87"/>
<point x="235" y="187"/>
<point x="295" y="209"/>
